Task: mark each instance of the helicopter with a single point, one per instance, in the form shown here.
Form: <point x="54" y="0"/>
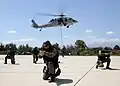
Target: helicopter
<point x="61" y="20"/>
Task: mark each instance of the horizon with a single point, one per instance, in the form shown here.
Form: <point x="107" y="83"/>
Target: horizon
<point x="61" y="46"/>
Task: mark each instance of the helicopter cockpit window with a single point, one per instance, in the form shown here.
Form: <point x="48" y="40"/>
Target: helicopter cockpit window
<point x="70" y="18"/>
<point x="74" y="21"/>
<point x="60" y="20"/>
<point x="65" y="19"/>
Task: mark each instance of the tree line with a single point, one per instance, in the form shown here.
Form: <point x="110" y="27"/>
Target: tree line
<point x="79" y="48"/>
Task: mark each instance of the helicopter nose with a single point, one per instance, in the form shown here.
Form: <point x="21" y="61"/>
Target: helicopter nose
<point x="75" y="21"/>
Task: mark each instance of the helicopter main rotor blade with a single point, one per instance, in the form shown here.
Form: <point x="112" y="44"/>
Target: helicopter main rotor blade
<point x="45" y="14"/>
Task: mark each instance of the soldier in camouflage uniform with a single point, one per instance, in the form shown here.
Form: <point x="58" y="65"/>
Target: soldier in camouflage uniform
<point x="63" y="51"/>
<point x="35" y="54"/>
<point x="50" y="55"/>
<point x="103" y="56"/>
<point x="10" y="55"/>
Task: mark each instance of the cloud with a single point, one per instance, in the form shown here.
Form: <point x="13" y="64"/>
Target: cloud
<point x="31" y="41"/>
<point x="109" y="32"/>
<point x="20" y="40"/>
<point x="11" y="32"/>
<point x="66" y="36"/>
<point x="94" y="41"/>
<point x="24" y="40"/>
<point x="91" y="37"/>
<point x="111" y="42"/>
<point x="88" y="31"/>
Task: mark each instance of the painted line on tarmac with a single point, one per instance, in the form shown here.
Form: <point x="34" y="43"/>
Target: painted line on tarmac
<point x="84" y="75"/>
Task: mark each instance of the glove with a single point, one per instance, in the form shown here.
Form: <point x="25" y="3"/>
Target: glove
<point x="42" y="53"/>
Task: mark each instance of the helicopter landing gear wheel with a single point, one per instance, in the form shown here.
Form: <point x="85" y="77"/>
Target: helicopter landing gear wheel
<point x="64" y="24"/>
<point x="40" y="29"/>
<point x="67" y="26"/>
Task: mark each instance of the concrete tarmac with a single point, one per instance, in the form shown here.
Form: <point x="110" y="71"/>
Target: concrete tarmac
<point x="76" y="71"/>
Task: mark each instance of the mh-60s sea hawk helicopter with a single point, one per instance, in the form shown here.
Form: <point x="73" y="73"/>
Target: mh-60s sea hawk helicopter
<point x="62" y="20"/>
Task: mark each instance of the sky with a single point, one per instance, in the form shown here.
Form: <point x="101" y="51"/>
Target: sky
<point x="98" y="22"/>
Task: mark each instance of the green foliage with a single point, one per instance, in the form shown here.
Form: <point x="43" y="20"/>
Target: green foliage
<point x="80" y="44"/>
<point x="116" y="47"/>
<point x="116" y="52"/>
<point x="24" y="49"/>
<point x="79" y="48"/>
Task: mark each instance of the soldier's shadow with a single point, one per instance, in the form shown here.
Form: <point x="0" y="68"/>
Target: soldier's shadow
<point x="17" y="64"/>
<point x="63" y="81"/>
<point x="14" y="64"/>
<point x="110" y="69"/>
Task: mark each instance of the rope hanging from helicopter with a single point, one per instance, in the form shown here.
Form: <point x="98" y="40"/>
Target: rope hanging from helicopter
<point x="61" y="34"/>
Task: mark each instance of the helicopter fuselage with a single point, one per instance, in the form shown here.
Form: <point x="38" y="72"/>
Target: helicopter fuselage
<point x="63" y="21"/>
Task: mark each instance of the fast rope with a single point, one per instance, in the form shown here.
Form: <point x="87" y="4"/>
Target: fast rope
<point x="61" y="34"/>
<point x="84" y="75"/>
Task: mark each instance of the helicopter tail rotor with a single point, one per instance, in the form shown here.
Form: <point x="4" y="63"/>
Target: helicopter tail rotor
<point x="34" y="24"/>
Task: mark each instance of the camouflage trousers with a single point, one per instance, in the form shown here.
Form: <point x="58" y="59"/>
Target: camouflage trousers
<point x="101" y="61"/>
<point x="10" y="57"/>
<point x="35" y="58"/>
